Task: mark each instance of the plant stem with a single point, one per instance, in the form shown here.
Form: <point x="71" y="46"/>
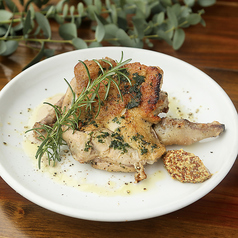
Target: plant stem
<point x="22" y="38"/>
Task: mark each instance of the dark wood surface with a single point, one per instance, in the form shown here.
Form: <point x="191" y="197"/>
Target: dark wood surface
<point x="214" y="50"/>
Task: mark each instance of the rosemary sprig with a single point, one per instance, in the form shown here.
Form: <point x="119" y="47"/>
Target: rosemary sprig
<point x="51" y="137"/>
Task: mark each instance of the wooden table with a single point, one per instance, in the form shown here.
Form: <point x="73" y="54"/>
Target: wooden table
<point x="214" y="50"/>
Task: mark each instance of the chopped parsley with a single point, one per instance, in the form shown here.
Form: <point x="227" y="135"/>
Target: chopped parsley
<point x="115" y="119"/>
<point x="87" y="146"/>
<point x="118" y="143"/>
<point x="135" y="91"/>
<point x="88" y="120"/>
<point x="143" y="151"/>
<point x="121" y="78"/>
<point x="140" y="138"/>
<point x="102" y="136"/>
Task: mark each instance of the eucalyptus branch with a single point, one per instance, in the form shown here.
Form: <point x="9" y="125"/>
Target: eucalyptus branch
<point x="52" y="136"/>
<point x="129" y="23"/>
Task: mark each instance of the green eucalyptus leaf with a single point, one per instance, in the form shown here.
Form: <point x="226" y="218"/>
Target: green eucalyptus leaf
<point x="113" y="14"/>
<point x="164" y="36"/>
<point x="59" y="19"/>
<point x="5" y="15"/>
<point x="68" y="31"/>
<point x="185" y="11"/>
<point x="92" y="10"/>
<point x="194" y="18"/>
<point x="98" y="5"/>
<point x="44" y="24"/>
<point x="183" y="23"/>
<point x="49" y="53"/>
<point x="122" y="23"/>
<point x="3" y="47"/>
<point x="110" y="30"/>
<point x="72" y="10"/>
<point x="166" y="3"/>
<point x="80" y="9"/>
<point x="37" y="58"/>
<point x="108" y="4"/>
<point x="129" y="8"/>
<point x="99" y="33"/>
<point x="203" y="22"/>
<point x="176" y="8"/>
<point x="88" y="2"/>
<point x="79" y="43"/>
<point x="9" y="30"/>
<point x="27" y="23"/>
<point x="95" y="44"/>
<point x="11" y="47"/>
<point x="27" y="5"/>
<point x="179" y="37"/>
<point x="159" y="18"/>
<point x="189" y="3"/>
<point x="139" y="13"/>
<point x="100" y="30"/>
<point x="169" y="29"/>
<point x="65" y="10"/>
<point x="78" y="22"/>
<point x="172" y="17"/>
<point x="139" y="25"/>
<point x="124" y="39"/>
<point x="138" y="43"/>
<point x="149" y="28"/>
<point x="59" y="5"/>
<point x="37" y="31"/>
<point x="142" y="10"/>
<point x="201" y="11"/>
<point x="31" y="8"/>
<point x="11" y="5"/>
<point x="3" y="31"/>
<point x="110" y="33"/>
<point x="149" y="43"/>
<point x="206" y="3"/>
<point x="50" y="11"/>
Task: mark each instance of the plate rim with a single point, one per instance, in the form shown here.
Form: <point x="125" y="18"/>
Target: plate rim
<point x="25" y="193"/>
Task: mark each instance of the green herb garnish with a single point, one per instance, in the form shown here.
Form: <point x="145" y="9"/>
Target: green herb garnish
<point x="135" y="91"/>
<point x="51" y="137"/>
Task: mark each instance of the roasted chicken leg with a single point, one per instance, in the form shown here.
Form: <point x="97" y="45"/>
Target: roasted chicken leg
<point x="172" y="131"/>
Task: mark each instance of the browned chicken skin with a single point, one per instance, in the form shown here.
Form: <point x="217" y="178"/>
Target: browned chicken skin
<point x="127" y="134"/>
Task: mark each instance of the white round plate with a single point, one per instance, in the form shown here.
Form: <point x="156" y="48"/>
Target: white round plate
<point x="195" y="93"/>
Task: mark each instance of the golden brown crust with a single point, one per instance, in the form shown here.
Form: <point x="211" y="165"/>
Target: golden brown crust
<point x="185" y="167"/>
<point x="150" y="89"/>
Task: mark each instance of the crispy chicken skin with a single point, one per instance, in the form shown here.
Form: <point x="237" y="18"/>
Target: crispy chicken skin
<point x="129" y="143"/>
<point x="172" y="131"/>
